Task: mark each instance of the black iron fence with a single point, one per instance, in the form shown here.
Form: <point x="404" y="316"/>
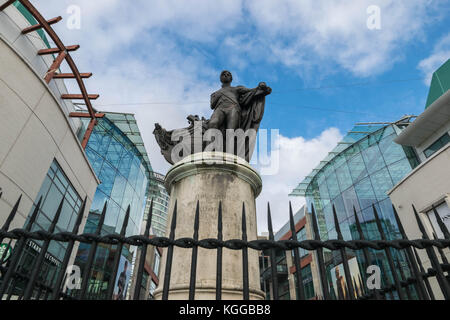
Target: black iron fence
<point x="34" y="283"/>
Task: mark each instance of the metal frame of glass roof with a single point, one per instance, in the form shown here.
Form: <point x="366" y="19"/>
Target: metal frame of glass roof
<point x="354" y="136"/>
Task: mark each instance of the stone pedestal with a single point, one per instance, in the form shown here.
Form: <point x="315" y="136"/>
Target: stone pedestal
<point x="211" y="177"/>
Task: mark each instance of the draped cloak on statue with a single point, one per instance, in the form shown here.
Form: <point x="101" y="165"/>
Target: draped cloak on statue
<point x="252" y="103"/>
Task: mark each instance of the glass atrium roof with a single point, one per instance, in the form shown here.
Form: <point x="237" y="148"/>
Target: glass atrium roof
<point x="358" y="132"/>
<point x="126" y="122"/>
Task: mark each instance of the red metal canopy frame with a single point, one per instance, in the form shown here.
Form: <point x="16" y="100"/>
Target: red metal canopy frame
<point x="62" y="52"/>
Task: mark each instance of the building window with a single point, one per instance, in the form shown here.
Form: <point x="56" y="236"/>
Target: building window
<point x="308" y="285"/>
<point x="144" y="282"/>
<point x="156" y="262"/>
<point x="152" y="289"/>
<point x="438" y="144"/>
<point x="55" y="187"/>
<point x="443" y="211"/>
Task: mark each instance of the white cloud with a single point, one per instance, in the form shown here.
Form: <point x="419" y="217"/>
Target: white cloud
<point x="318" y="32"/>
<point x="298" y="157"/>
<point x="439" y="55"/>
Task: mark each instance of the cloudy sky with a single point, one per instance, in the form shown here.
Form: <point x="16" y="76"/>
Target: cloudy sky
<point x="161" y="59"/>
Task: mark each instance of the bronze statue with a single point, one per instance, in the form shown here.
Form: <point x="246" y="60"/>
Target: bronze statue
<point x="234" y="108"/>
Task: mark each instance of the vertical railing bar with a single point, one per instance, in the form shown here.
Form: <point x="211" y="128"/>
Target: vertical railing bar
<point x="441" y="252"/>
<point x="348" y="279"/>
<point x="355" y="291"/>
<point x="91" y="256"/>
<point x="42" y="284"/>
<point x="219" y="255"/>
<point x="140" y="273"/>
<point x="194" y="254"/>
<point x="168" y="270"/>
<point x="366" y="252"/>
<point x="17" y="252"/>
<point x="319" y="251"/>
<point x="298" y="268"/>
<point x="425" y="279"/>
<point x="119" y="246"/>
<point x="246" y="294"/>
<point x="442" y="281"/>
<point x="403" y="278"/>
<point x="273" y="267"/>
<point x="388" y="284"/>
<point x="49" y="289"/>
<point x="40" y="259"/>
<point x="10" y="218"/>
<point x="62" y="274"/>
<point x="409" y="253"/>
<point x="389" y="256"/>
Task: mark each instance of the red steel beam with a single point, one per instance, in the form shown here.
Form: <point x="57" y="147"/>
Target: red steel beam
<point x="71" y="75"/>
<point x="88" y="133"/>
<point x="52" y="34"/>
<point x="57" y="50"/>
<point x="6" y="4"/>
<point x="55" y="66"/>
<point x="39" y="26"/>
<point x="80" y="97"/>
<point x="85" y="115"/>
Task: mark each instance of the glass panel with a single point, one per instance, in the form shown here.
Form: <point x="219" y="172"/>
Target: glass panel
<point x="391" y="151"/>
<point x="51" y="202"/>
<point x="381" y="182"/>
<point x="332" y="184"/>
<point x="125" y="163"/>
<point x="357" y="167"/>
<point x="399" y="170"/>
<point x="118" y="189"/>
<point x="350" y="200"/>
<point x="365" y="193"/>
<point x="373" y="159"/>
<point x="94" y="159"/>
<point x="343" y="176"/>
<point x="112" y="214"/>
<point x="388" y="218"/>
<point x="114" y="152"/>
<point x="340" y="209"/>
<point x="107" y="175"/>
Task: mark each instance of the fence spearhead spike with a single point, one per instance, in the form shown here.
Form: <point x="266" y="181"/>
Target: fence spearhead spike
<point x="336" y="224"/>
<point x="399" y="223"/>
<point x="358" y="225"/>
<point x="149" y="220"/>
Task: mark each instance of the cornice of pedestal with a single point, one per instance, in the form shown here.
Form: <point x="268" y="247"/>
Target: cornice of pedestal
<point x="214" y="161"/>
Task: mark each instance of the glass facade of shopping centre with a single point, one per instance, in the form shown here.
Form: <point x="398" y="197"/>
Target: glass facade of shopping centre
<point x="357" y="174"/>
<point x="124" y="174"/>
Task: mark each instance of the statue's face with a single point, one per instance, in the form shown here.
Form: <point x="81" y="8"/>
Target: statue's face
<point x="226" y="77"/>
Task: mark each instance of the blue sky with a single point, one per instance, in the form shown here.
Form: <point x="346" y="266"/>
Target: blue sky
<point x="161" y="60"/>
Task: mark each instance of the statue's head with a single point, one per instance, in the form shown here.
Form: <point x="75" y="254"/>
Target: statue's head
<point x="226" y="77"/>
